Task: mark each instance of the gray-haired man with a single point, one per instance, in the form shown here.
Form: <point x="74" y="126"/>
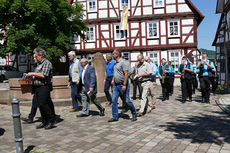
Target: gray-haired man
<point x="144" y="73"/>
<point x="42" y="85"/>
<point x="74" y="77"/>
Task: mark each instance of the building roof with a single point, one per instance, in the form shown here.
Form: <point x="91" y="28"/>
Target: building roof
<point x="195" y="10"/>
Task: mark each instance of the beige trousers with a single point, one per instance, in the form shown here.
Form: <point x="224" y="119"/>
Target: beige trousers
<point x="151" y="97"/>
<point x="144" y="100"/>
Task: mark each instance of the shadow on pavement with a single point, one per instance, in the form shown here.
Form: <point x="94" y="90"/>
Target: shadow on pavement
<point x="2" y="131"/>
<point x="29" y="148"/>
<point x="202" y="129"/>
<point x="124" y="116"/>
<point x="94" y="113"/>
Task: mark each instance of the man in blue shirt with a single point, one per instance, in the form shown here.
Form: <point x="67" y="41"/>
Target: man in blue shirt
<point x="185" y="70"/>
<point x="109" y="69"/>
<point x="204" y="69"/>
<point x="164" y="71"/>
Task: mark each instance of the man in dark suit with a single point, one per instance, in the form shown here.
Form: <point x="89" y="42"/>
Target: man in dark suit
<point x="88" y="82"/>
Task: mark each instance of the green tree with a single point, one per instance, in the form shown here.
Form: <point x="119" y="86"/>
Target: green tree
<point x="49" y="24"/>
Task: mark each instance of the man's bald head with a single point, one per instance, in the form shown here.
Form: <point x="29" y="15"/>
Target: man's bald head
<point x="84" y="62"/>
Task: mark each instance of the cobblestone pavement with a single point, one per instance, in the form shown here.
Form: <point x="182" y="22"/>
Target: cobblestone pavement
<point x="173" y="127"/>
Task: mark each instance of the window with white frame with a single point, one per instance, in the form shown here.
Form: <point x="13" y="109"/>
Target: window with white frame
<point x="126" y="55"/>
<point x="92" y="5"/>
<point x="174" y="57"/>
<point x="120" y="34"/>
<point x="154" y="56"/>
<point x="90" y="33"/>
<point x="124" y="3"/>
<point x="152" y="30"/>
<point x="158" y="3"/>
<point x="174" y="28"/>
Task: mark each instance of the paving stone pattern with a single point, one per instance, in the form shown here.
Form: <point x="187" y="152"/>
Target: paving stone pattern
<point x="173" y="127"/>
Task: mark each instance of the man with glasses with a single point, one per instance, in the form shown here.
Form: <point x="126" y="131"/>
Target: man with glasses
<point x="42" y="87"/>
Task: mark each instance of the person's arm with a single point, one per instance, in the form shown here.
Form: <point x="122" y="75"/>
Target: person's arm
<point x="35" y="74"/>
<point x="170" y="70"/>
<point x="125" y="80"/>
<point x="158" y="73"/>
<point x="179" y="72"/>
<point x="45" y="72"/>
<point x="213" y="67"/>
<point x="198" y="68"/>
<point x="92" y="79"/>
<point x="190" y="69"/>
<point x="154" y="69"/>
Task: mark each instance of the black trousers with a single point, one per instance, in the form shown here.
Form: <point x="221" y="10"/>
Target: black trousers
<point x="186" y="87"/>
<point x="45" y="103"/>
<point x="214" y="83"/>
<point x="108" y="84"/>
<point x="33" y="108"/>
<point x="135" y="85"/>
<point x="205" y="88"/>
<point x="165" y="88"/>
<point x="194" y="85"/>
<point x="171" y="83"/>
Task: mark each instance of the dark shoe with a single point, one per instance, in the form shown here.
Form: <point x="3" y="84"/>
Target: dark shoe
<point x="42" y="125"/>
<point x="139" y="98"/>
<point x="134" y="98"/>
<point x="164" y="99"/>
<point x="102" y="112"/>
<point x="167" y="98"/>
<point x="190" y="100"/>
<point x="82" y="115"/>
<point x="134" y="118"/>
<point x="49" y="126"/>
<point x="183" y="100"/>
<point x="28" y="121"/>
<point x="112" y="120"/>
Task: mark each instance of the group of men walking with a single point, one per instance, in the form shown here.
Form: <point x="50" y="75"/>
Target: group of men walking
<point x="83" y="84"/>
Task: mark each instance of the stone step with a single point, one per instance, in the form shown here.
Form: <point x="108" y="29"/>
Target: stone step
<point x="65" y="102"/>
<point x="4" y="95"/>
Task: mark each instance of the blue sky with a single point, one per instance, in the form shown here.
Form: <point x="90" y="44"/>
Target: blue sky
<point x="207" y="28"/>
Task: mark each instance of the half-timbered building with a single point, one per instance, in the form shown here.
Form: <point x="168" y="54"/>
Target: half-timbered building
<point x="222" y="42"/>
<point x="157" y="28"/>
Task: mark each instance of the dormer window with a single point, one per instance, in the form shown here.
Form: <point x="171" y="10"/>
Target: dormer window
<point x="92" y="5"/>
<point x="158" y="3"/>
